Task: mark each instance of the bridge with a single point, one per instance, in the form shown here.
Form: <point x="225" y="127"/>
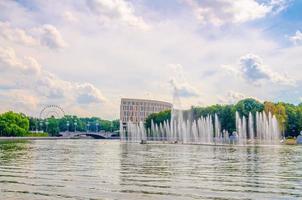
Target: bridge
<point x="95" y="135"/>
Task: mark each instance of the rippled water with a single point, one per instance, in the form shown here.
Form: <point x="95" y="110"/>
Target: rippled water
<point x="100" y="169"/>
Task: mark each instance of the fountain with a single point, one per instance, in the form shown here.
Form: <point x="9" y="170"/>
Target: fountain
<point x="253" y="129"/>
<point x="260" y="128"/>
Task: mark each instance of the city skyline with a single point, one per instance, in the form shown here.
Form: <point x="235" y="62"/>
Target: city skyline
<point x="86" y="55"/>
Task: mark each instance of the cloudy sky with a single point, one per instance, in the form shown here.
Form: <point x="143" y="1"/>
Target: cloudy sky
<point x="85" y="55"/>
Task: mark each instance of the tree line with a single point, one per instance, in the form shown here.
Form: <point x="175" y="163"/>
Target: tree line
<point x="18" y="124"/>
<point x="289" y="116"/>
<point x="13" y="124"/>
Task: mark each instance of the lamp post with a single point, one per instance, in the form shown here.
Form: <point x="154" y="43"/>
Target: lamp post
<point x="36" y="125"/>
<point x="88" y="124"/>
<point x="111" y="126"/>
<point x="67" y="124"/>
<point x="41" y="125"/>
<point x="75" y="126"/>
<point x="46" y="123"/>
<point x="96" y="126"/>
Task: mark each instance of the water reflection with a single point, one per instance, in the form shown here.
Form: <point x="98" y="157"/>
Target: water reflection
<point x="13" y="150"/>
<point x="94" y="169"/>
<point x="186" y="171"/>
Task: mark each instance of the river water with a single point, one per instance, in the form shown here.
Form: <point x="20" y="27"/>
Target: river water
<point x="102" y="169"/>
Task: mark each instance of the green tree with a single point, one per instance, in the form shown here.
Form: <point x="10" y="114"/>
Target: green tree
<point x="53" y="127"/>
<point x="292" y="125"/>
<point x="116" y="125"/>
<point x="279" y="111"/>
<point x="158" y="118"/>
<point x="13" y="124"/>
<point x="245" y="106"/>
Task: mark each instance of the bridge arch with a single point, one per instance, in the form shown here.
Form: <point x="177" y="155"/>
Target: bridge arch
<point x="94" y="135"/>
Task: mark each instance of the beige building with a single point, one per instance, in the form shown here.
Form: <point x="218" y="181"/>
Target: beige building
<point x="137" y="110"/>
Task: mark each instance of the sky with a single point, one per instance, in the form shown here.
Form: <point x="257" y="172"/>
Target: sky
<point x="86" y="55"/>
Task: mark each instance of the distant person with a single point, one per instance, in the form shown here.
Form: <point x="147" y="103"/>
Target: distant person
<point x="234" y="138"/>
<point x="299" y="138"/>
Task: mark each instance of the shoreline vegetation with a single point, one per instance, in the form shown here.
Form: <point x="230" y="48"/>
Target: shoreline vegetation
<point x="19" y="125"/>
<point x="8" y="139"/>
<point x="289" y="117"/>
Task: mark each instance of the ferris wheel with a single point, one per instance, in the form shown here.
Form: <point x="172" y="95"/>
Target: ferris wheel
<point x="51" y="111"/>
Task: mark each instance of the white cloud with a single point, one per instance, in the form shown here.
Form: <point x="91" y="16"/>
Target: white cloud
<point x="231" y="70"/>
<point x="9" y="61"/>
<point x="219" y="12"/>
<point x="279" y="5"/>
<point x="181" y="87"/>
<point x="55" y="88"/>
<point x="16" y="34"/>
<point x="69" y="16"/>
<point x="233" y="97"/>
<point x="31" y="78"/>
<point x="117" y="11"/>
<point x="297" y="38"/>
<point x="45" y="35"/>
<point x="52" y="87"/>
<point x="88" y="93"/>
<point x="18" y="101"/>
<point x="50" y="36"/>
<point x="252" y="69"/>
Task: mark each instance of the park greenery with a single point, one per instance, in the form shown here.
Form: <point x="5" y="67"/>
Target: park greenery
<point x="13" y="124"/>
<point x="19" y="125"/>
<point x="70" y="123"/>
<point x="288" y="115"/>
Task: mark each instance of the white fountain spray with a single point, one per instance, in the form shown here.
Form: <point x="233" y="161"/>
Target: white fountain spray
<point x="206" y="129"/>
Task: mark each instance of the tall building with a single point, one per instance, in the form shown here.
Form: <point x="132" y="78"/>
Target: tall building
<point x="137" y="110"/>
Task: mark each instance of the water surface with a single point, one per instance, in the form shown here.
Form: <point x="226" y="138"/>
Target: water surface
<point x="100" y="169"/>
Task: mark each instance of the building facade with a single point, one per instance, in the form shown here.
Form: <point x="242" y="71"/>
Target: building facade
<point x="137" y="110"/>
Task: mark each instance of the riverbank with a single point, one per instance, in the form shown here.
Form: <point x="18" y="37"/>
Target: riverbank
<point x="32" y="138"/>
<point x="41" y="138"/>
<point x="47" y="138"/>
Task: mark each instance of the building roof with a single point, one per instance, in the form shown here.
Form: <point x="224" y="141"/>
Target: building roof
<point x="146" y="100"/>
